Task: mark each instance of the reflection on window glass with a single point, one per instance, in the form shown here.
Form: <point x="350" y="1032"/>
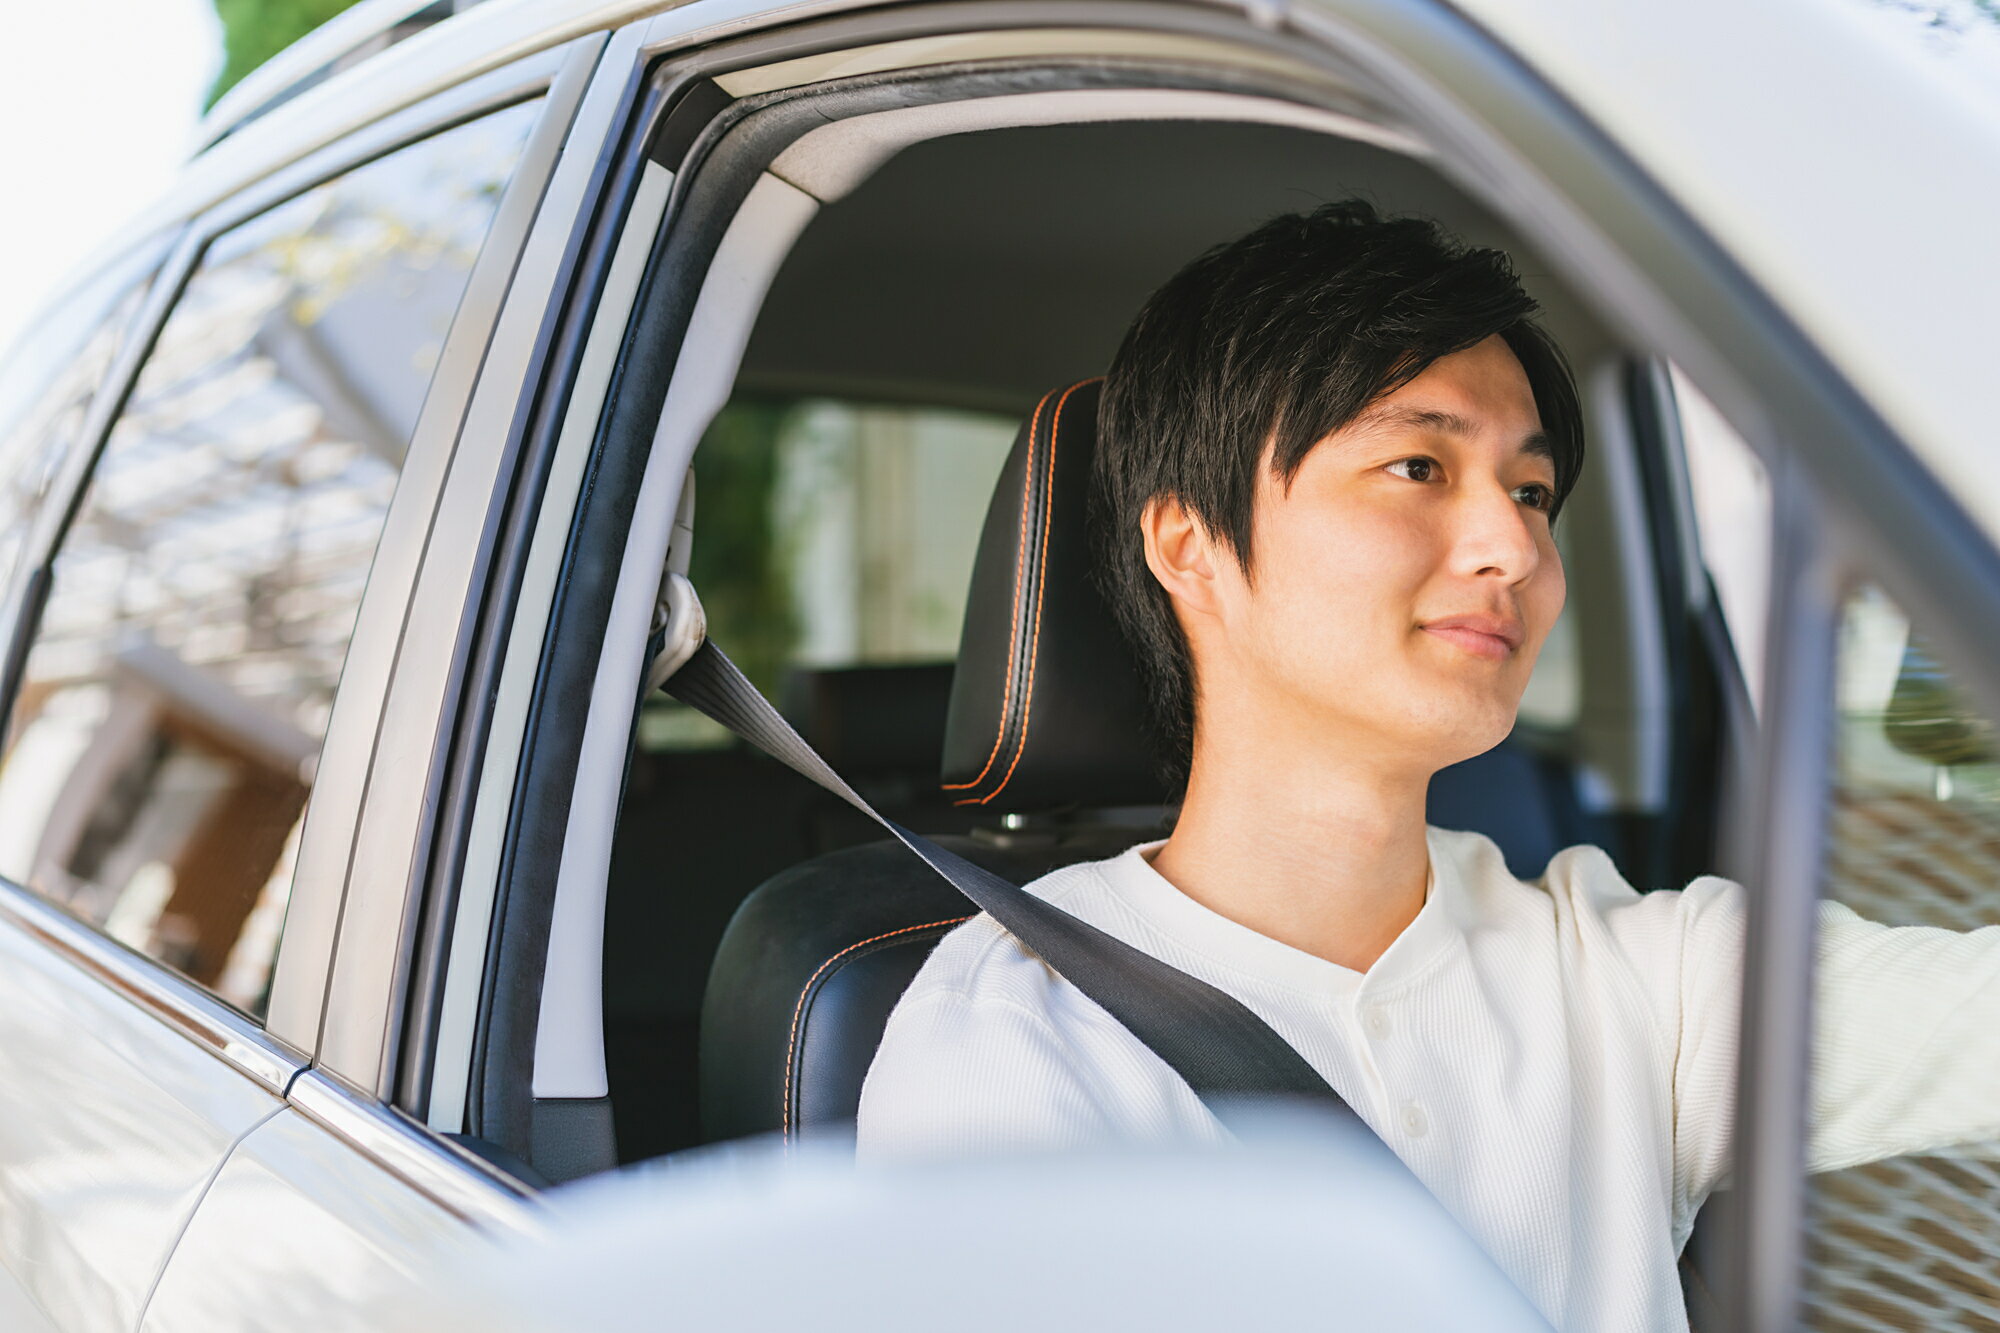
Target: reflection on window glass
<point x="179" y="687"/>
<point x="46" y="389"/>
<point x="1905" y="1229"/>
<point x="830" y="534"/>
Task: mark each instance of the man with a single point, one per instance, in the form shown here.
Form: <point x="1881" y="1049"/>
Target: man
<point x="1330" y="455"/>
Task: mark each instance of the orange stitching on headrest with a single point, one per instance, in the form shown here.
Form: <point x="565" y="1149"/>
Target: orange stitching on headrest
<point x="798" y="1010"/>
<point x="1041" y="583"/>
<point x="1014" y="624"/>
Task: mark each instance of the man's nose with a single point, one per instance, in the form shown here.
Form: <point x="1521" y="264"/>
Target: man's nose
<point x="1494" y="537"/>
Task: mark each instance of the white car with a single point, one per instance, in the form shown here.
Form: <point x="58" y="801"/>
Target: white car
<point x="355" y="889"/>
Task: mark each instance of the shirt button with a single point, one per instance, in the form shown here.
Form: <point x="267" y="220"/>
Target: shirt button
<point x="1414" y="1122"/>
<point x="1376" y="1020"/>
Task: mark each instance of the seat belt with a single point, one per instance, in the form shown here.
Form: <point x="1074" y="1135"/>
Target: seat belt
<point x="1207" y="1036"/>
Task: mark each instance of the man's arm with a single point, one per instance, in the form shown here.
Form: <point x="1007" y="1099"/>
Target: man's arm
<point x="1906" y="1039"/>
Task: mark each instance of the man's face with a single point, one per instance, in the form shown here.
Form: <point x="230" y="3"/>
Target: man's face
<point x="1404" y="580"/>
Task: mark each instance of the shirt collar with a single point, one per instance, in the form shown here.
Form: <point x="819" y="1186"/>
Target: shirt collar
<point x="1259" y="958"/>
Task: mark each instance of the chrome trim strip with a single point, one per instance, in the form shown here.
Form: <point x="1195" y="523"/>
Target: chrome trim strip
<point x="463" y="1184"/>
<point x="152" y="986"/>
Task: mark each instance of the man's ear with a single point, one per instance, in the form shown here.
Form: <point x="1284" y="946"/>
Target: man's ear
<point x="1182" y="555"/>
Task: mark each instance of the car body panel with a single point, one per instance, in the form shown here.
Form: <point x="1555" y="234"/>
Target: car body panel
<point x="345" y="38"/>
<point x="298" y="1231"/>
<point x="115" y="1122"/>
<point x="17" y="1310"/>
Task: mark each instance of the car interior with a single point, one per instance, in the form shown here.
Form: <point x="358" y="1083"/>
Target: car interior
<point x="900" y="467"/>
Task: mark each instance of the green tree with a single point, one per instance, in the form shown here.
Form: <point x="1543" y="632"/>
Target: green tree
<point x="255" y="30"/>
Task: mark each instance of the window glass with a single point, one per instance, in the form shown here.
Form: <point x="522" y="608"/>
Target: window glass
<point x="833" y="534"/>
<point x="179" y="686"/>
<point x="1905" y="1224"/>
<point x="1732" y="513"/>
<point x="46" y="388"/>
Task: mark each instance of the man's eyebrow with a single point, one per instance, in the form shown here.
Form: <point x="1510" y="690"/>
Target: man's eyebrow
<point x="1537" y="445"/>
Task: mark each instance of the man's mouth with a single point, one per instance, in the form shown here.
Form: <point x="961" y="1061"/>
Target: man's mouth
<point x="1486" y="636"/>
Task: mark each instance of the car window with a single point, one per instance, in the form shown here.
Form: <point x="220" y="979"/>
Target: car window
<point x="1907" y="1076"/>
<point x="179" y="684"/>
<point x="833" y="534"/>
<point x="46" y="386"/>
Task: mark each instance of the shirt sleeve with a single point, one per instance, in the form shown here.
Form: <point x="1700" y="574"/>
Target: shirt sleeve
<point x="1906" y="1040"/>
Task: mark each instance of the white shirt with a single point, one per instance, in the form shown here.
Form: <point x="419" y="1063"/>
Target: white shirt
<point x="1556" y="1061"/>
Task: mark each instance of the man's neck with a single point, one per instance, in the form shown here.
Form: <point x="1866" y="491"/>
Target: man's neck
<point x="1316" y="850"/>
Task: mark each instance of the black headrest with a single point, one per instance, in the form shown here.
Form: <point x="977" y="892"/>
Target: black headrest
<point x="871" y="720"/>
<point x="1046" y="704"/>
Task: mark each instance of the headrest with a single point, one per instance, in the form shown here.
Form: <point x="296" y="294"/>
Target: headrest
<point x="870" y="721"/>
<point x="1047" y="706"/>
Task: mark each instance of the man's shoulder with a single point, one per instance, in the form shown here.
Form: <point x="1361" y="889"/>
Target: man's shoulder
<point x="979" y="964"/>
<point x="1581" y="882"/>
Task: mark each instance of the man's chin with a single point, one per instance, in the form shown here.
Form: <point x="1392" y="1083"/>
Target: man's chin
<point x="1469" y="734"/>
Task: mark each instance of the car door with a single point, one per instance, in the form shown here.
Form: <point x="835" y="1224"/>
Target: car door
<point x="339" y="1198"/>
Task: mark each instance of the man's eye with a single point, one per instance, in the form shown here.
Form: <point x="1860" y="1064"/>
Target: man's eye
<point x="1536" y="495"/>
<point x="1418" y="469"/>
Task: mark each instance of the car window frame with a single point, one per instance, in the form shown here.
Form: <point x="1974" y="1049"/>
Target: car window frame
<point x="669" y="39"/>
<point x="671" y="34"/>
<point x="373" y="968"/>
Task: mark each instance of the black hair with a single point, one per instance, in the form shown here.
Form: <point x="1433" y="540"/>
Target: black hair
<point x="1274" y="341"/>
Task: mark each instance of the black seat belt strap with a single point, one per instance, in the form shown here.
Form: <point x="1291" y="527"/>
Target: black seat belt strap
<point x="1209" y="1037"/>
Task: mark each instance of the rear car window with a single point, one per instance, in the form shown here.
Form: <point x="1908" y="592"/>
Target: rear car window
<point x="830" y="534"/>
<point x="49" y="381"/>
<point x="179" y="685"/>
